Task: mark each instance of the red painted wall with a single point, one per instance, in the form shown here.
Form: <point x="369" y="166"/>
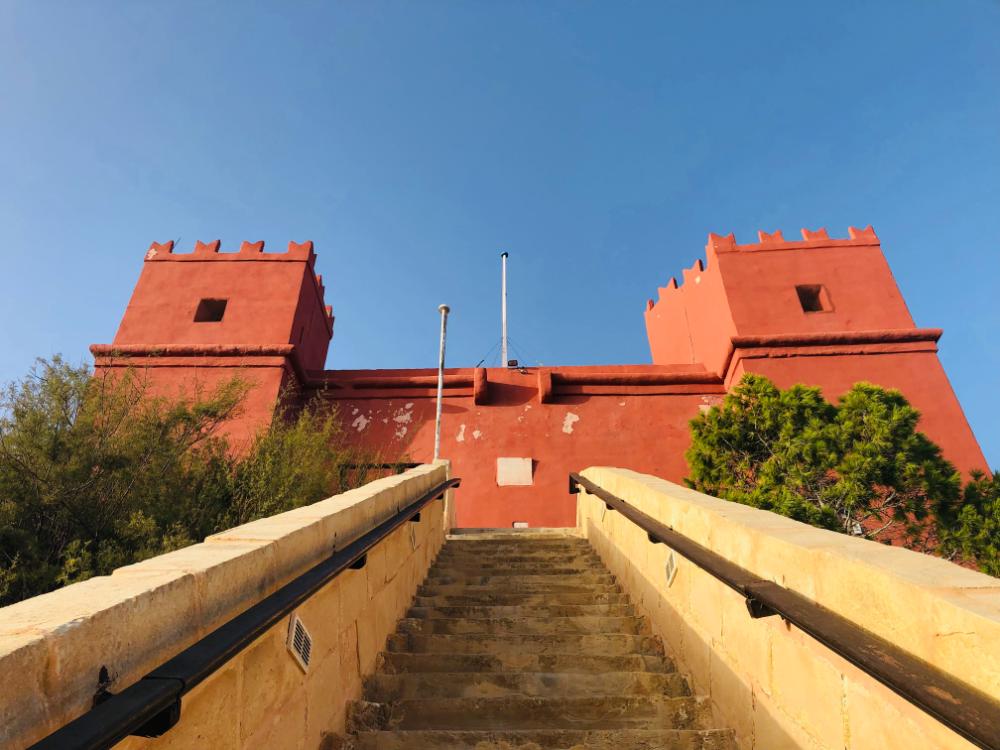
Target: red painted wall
<point x="738" y="313"/>
<point x="642" y="426"/>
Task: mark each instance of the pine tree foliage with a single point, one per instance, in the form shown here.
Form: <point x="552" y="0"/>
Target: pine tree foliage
<point x="859" y="466"/>
<point x="974" y="534"/>
<point x="96" y="472"/>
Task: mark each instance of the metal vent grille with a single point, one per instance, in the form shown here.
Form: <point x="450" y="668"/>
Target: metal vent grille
<point x="299" y="642"/>
<point x="671" y="567"/>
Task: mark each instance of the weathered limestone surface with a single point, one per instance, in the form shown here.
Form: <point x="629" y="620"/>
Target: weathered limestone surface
<point x="143" y="614"/>
<point x="773" y="684"/>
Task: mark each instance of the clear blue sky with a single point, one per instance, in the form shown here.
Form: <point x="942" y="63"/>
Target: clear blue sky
<point x="598" y="143"/>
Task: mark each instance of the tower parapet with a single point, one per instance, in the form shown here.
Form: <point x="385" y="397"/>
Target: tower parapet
<point x="820" y="311"/>
<point x="297" y="251"/>
<point x="774" y="286"/>
<point x="199" y="317"/>
<point x="244" y="298"/>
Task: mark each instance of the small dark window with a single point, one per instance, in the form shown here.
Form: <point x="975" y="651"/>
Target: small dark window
<point x="813" y="297"/>
<point x="210" y="311"/>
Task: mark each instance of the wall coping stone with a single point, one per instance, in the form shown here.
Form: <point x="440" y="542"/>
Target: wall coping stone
<point x="941" y="612"/>
<point x="143" y="613"/>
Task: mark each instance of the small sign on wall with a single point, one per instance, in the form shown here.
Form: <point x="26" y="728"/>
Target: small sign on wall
<point x="514" y="472"/>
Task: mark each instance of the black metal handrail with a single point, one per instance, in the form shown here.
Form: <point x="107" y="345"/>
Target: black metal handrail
<point x="399" y="466"/>
<point x="961" y="707"/>
<point x="152" y="705"/>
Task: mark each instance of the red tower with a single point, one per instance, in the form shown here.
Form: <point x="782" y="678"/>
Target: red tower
<point x="818" y="311"/>
<point x="196" y="319"/>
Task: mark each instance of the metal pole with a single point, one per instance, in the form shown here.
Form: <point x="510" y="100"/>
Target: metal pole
<point x="503" y="309"/>
<point x="444" y="310"/>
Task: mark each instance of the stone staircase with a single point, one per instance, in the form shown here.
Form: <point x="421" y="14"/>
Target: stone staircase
<point x="524" y="640"/>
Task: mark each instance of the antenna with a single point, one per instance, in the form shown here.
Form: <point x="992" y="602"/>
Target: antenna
<point x="503" y="309"/>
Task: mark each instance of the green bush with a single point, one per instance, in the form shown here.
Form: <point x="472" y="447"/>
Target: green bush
<point x="96" y="473"/>
<point x="859" y="467"/>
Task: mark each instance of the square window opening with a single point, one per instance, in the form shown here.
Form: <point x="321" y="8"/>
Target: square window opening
<point x="210" y="311"/>
<point x="813" y="298"/>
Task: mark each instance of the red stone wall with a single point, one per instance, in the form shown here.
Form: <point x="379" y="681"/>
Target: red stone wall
<point x="739" y="313"/>
<point x="642" y="426"/>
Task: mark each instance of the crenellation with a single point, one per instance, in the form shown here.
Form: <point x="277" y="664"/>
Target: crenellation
<point x="809" y="235"/>
<point x="693" y="272"/>
<point x="212" y="251"/>
<point x="721" y="243"/>
<point x="866" y="234"/>
<point x="302" y="251"/>
<point x="207" y="248"/>
<point x="252" y="248"/>
<point x="158" y="248"/>
<point x="770" y="241"/>
<point x="774" y="238"/>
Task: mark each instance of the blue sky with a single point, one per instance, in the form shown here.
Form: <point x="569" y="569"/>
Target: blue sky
<point x="598" y="142"/>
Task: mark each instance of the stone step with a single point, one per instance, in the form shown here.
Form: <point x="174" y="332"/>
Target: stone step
<point x="522" y="554"/>
<point x="515" y="546"/>
<point x="559" y="586"/>
<point x="522" y="625"/>
<point x="550" y="739"/>
<point x="525" y="640"/>
<point x="471" y="612"/>
<point x="515" y="569"/>
<point x="522" y="598"/>
<point x="521" y="535"/>
<point x="385" y="688"/>
<point x="395" y="662"/>
<point x="605" y="644"/>
<point x="519" y="580"/>
<point x="515" y="712"/>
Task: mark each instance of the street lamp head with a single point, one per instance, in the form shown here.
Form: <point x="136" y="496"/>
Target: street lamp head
<point x="444" y="309"/>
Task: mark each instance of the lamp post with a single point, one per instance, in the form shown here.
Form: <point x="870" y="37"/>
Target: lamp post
<point x="444" y="310"/>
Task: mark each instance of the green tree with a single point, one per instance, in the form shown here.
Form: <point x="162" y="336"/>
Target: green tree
<point x="974" y="534"/>
<point x="97" y="472"/>
<point x="859" y="467"/>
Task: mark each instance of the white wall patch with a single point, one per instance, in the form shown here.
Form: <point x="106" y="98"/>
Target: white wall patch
<point x="460" y="437"/>
<point x="514" y="472"/>
<point x="360" y="422"/>
<point x="477" y="434"/>
<point x="568" y="422"/>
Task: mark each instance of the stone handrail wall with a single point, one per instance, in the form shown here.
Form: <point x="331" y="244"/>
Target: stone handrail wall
<point x="145" y="613"/>
<point x="774" y="685"/>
